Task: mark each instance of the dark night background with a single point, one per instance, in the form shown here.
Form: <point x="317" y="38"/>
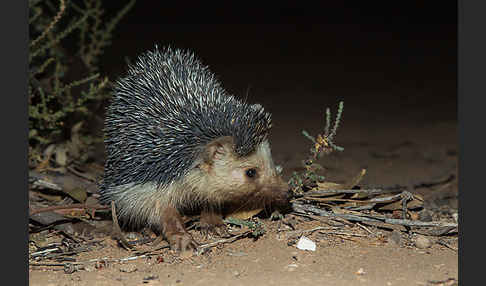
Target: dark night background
<point x="394" y="65"/>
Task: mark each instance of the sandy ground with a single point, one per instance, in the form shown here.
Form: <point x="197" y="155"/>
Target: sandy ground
<point x="269" y="261"/>
<point x="398" y="142"/>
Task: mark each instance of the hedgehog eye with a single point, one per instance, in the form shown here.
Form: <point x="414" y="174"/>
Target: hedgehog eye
<point x="251" y="172"/>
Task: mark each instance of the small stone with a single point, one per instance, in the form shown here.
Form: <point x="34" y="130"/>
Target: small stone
<point x="237" y="254"/>
<point x="414" y="216"/>
<point x="455" y="216"/>
<point x="76" y="278"/>
<point x="132" y="236"/>
<point x="292" y="267"/>
<point x="396" y="237"/>
<point x="236" y="273"/>
<point x="306" y="244"/>
<point x="425" y="215"/>
<point x="360" y="272"/>
<point x="422" y="242"/>
<point x="129" y="268"/>
<point x="150" y="277"/>
<point x="89" y="268"/>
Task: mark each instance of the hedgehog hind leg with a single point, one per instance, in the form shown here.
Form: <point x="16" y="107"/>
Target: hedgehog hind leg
<point x="174" y="231"/>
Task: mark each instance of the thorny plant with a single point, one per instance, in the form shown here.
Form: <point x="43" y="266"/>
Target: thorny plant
<point x="59" y="88"/>
<point x="323" y="145"/>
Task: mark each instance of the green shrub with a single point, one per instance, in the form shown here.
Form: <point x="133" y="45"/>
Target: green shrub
<point x="67" y="39"/>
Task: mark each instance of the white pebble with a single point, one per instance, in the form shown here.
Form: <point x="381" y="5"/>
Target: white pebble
<point x="455" y="216"/>
<point x="422" y="242"/>
<point x="306" y="244"/>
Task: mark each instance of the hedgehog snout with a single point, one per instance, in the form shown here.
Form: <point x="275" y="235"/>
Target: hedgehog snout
<point x="277" y="191"/>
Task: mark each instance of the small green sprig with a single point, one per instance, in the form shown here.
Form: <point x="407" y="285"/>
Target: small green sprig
<point x="323" y="144"/>
<point x="256" y="227"/>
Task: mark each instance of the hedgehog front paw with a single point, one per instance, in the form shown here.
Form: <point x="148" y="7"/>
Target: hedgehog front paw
<point x="211" y="230"/>
<point x="212" y="224"/>
<point x="175" y="232"/>
<point x="181" y="242"/>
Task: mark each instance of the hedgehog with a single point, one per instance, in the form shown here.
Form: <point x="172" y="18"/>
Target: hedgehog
<point x="177" y="144"/>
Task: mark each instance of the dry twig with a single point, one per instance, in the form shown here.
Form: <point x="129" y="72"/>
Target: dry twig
<point x="203" y="248"/>
<point x="303" y="208"/>
<point x="67" y="207"/>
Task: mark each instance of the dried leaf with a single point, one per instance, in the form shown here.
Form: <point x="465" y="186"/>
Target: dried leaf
<point x="52" y="198"/>
<point x="49" y="151"/>
<point x="78" y="194"/>
<point x="435" y="231"/>
<point x="46" y="218"/>
<point x="74" y="212"/>
<point x="75" y="145"/>
<point x="355" y="180"/>
<point x="330" y="186"/>
<point x="61" y="155"/>
<point x="245" y="214"/>
<point x="47" y="154"/>
<point x="415" y="203"/>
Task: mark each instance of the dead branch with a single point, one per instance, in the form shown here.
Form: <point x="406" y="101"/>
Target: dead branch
<point x="342" y="233"/>
<point x="297" y="233"/>
<point x="370" y="192"/>
<point x="71" y="206"/>
<point x="203" y="248"/>
<point x="302" y="208"/>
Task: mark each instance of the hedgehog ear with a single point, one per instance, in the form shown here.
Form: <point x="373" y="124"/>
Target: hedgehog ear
<point x="218" y="149"/>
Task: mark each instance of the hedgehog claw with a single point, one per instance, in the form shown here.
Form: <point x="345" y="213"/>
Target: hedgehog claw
<point x="210" y="231"/>
<point x="181" y="242"/>
<point x="212" y="225"/>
